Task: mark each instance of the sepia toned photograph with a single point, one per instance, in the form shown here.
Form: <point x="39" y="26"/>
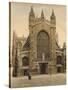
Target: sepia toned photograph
<point x="37" y="45"/>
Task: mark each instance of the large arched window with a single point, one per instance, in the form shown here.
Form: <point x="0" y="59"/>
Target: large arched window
<point x="25" y="61"/>
<point x="42" y="45"/>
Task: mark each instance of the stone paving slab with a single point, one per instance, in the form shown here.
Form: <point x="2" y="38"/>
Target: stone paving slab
<point x="38" y="80"/>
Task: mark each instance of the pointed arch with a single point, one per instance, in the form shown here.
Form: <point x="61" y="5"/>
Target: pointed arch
<point x="42" y="45"/>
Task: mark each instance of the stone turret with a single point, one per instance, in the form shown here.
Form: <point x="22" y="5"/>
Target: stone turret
<point x="53" y="41"/>
<point x="31" y="16"/>
<point x="42" y="15"/>
<point x="53" y="18"/>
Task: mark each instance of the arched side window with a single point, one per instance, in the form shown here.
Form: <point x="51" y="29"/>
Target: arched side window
<point x="59" y="60"/>
<point x="25" y="61"/>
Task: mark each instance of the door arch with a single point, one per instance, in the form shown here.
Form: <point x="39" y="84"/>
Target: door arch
<point x="59" y="64"/>
<point x="25" y="63"/>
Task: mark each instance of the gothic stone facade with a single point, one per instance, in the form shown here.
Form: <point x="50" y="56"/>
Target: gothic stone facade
<point x="39" y="53"/>
<point x="42" y="43"/>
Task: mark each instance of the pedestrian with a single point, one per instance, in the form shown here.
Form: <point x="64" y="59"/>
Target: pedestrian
<point x="29" y="76"/>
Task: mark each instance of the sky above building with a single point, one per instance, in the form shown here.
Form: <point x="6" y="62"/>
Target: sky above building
<point x="20" y="18"/>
